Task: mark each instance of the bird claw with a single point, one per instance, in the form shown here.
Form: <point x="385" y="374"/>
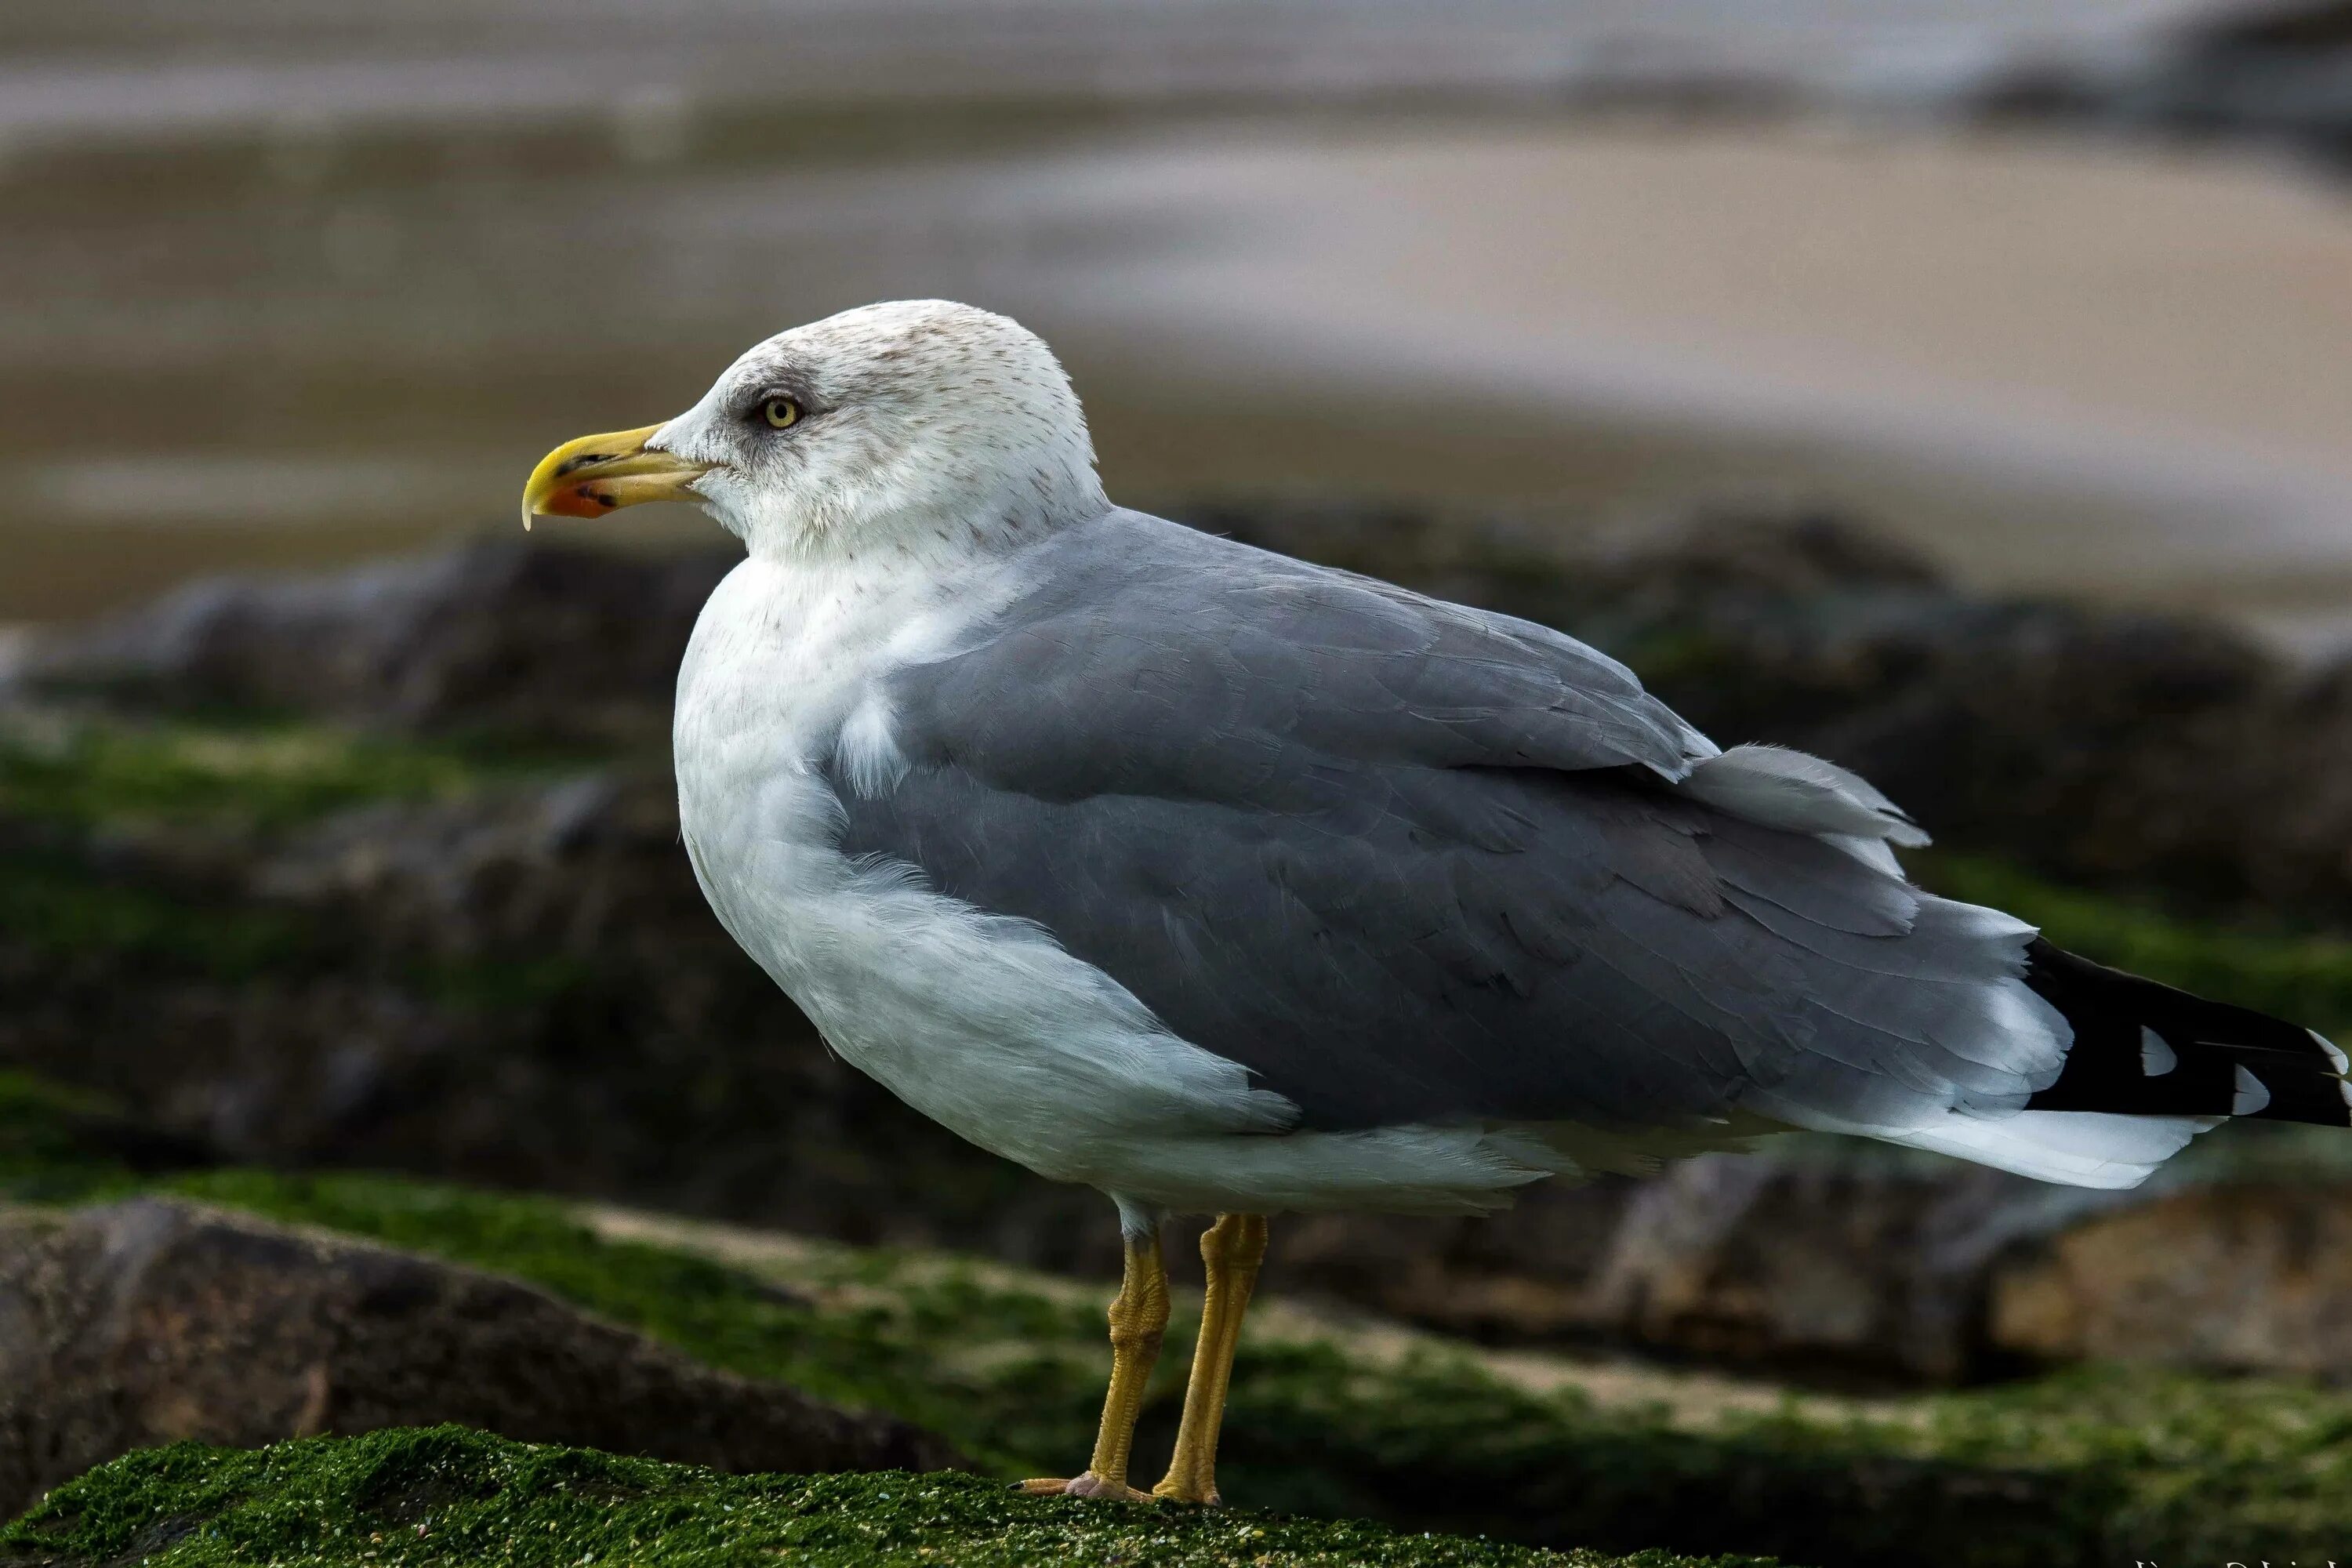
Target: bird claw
<point x="1168" y="1491"/>
<point x="1086" y="1485"/>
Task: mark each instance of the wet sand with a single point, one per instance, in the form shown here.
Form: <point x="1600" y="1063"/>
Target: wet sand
<point x="2074" y="369"/>
<point x="2070" y="368"/>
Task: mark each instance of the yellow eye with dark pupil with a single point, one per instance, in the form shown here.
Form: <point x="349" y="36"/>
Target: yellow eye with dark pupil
<point x="782" y="412"/>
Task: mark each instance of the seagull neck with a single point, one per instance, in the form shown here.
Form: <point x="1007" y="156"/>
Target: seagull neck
<point x="857" y="596"/>
<point x="910" y="544"/>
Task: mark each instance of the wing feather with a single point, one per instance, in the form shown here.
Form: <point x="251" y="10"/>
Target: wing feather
<point x="1410" y="862"/>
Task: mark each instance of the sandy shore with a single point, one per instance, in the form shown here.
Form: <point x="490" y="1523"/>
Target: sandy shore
<point x="2074" y="368"/>
<point x="2079" y="369"/>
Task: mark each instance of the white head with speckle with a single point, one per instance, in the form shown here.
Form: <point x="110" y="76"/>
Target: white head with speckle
<point x="918" y="424"/>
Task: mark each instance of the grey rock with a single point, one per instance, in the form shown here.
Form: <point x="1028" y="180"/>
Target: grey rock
<point x="1795" y="1262"/>
<point x="542" y="641"/>
<point x="2251" y="1277"/>
<point x="151" y="1321"/>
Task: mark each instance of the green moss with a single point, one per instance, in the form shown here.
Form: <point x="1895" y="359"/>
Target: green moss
<point x="60" y="1145"/>
<point x="2306" y="978"/>
<point x="450" y="1496"/>
<point x="2090" y="1467"/>
<point x="84" y="770"/>
<point x="56" y="901"/>
<point x="2195" y="1469"/>
<point x="2093" y="1466"/>
<point x="45" y="1152"/>
<point x="503" y="985"/>
<point x="62" y="778"/>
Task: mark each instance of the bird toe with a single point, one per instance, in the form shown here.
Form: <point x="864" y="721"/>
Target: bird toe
<point x="1088" y="1485"/>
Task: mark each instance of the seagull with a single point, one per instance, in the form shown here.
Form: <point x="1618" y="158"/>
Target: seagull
<point x="1234" y="886"/>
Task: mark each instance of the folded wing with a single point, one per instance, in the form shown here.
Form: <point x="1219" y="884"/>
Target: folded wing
<point x="1414" y="863"/>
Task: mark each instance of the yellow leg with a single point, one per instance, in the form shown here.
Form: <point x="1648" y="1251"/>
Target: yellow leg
<point x="1232" y="1249"/>
<point x="1139" y="1317"/>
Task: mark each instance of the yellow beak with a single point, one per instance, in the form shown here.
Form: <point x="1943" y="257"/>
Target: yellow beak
<point x="597" y="474"/>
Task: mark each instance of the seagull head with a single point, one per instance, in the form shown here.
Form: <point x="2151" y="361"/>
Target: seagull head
<point x="918" y="424"/>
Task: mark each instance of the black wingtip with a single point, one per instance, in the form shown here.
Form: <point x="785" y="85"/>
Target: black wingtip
<point x="2146" y="1049"/>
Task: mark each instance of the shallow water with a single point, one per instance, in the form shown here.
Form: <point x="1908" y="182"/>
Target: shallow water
<point x="309" y="291"/>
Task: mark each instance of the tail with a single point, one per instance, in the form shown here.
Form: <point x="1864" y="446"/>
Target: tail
<point x="2148" y="1068"/>
<point x="2144" y="1049"/>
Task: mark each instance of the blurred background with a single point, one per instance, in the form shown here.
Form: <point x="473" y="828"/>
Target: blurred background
<point x="1959" y="388"/>
<point x="2055" y="291"/>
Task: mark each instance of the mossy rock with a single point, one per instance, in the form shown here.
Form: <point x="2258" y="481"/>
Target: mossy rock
<point x="447" y="1494"/>
<point x="85" y="768"/>
<point x="1338" y="1418"/>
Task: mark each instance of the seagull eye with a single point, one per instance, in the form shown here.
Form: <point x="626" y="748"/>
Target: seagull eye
<point x="781" y="412"/>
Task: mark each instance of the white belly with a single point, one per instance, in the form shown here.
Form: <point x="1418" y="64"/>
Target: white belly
<point x="980" y="1021"/>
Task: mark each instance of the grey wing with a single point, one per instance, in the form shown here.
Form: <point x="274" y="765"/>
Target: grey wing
<point x="1149" y="659"/>
<point x="1413" y="863"/>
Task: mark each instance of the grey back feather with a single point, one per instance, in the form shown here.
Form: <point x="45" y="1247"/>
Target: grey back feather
<point x="1412" y="862"/>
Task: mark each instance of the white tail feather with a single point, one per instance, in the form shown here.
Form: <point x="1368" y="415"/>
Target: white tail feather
<point x="2078" y="1148"/>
